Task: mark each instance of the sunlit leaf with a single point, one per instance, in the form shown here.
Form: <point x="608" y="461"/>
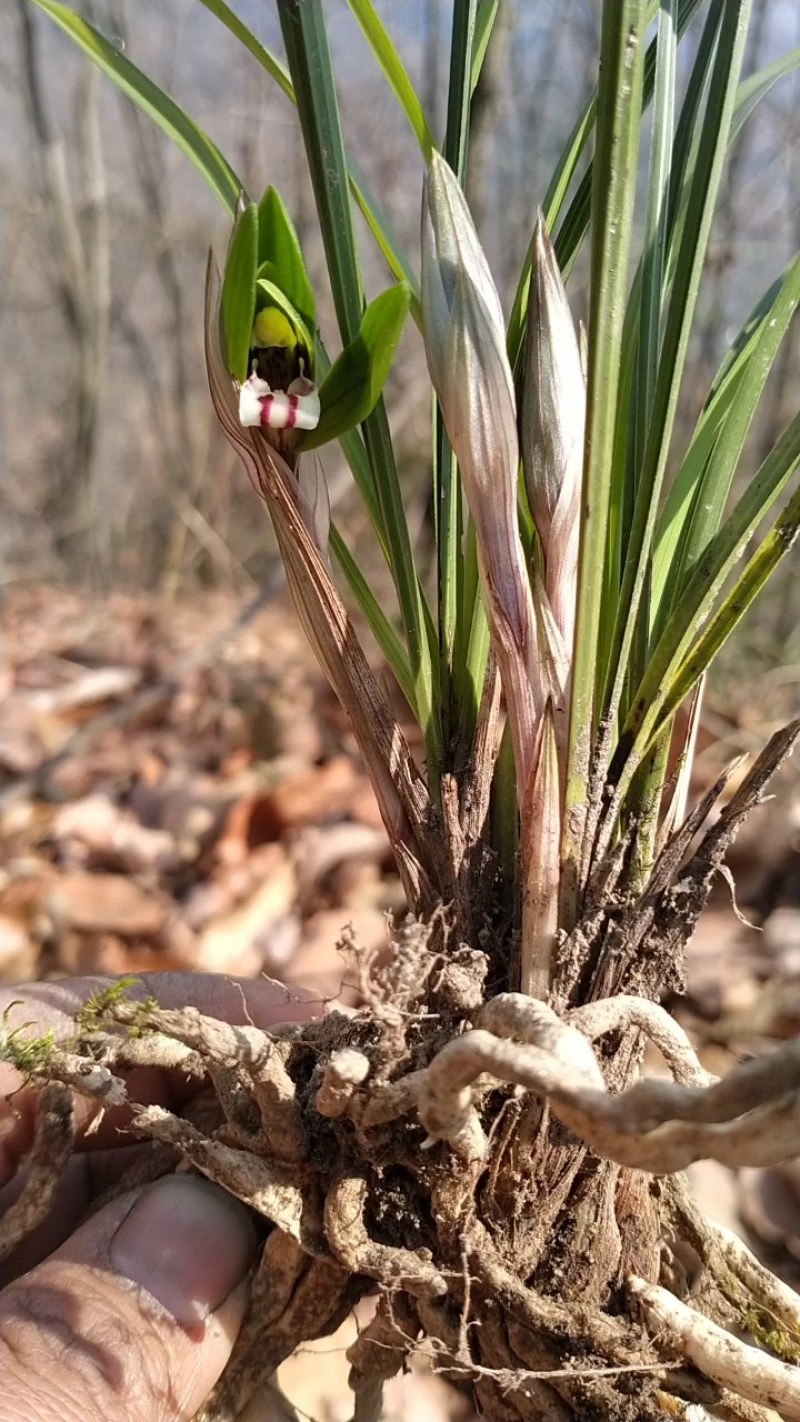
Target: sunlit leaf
<point x="158" y="106"/>
<point x="239" y="292"/>
<point x="356" y="379"/>
<point x="278" y="244"/>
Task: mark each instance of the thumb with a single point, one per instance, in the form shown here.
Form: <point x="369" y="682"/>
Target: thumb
<point x="134" y="1317"/>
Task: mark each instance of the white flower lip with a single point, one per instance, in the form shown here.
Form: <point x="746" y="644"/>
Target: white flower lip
<point x="295" y="409"/>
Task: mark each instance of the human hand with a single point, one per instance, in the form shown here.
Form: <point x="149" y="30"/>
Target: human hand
<point x="132" y="1315"/>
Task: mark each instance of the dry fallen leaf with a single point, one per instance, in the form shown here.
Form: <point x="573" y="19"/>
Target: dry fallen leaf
<point x="97" y="903"/>
<point x="240" y="941"/>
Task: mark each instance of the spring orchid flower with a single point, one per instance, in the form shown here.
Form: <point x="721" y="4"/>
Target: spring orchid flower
<point x="278" y="396"/>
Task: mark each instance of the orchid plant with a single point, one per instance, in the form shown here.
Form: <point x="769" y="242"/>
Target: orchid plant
<point x="587" y="566"/>
<point x="593" y="600"/>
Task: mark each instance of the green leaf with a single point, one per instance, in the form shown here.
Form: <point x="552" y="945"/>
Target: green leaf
<point x="484" y="24"/>
<point x="267" y="287"/>
<point x="576" y="220"/>
<point x="674" y="515"/>
<point x="448" y="500"/>
<point x="239" y="292"/>
<point x="692" y="232"/>
<point x="394" y="71"/>
<point x="237" y="27"/>
<point x="704" y="480"/>
<point x="757" y="572"/>
<point x="753" y="89"/>
<point x="386" y="239"/>
<point x="619" y="107"/>
<point x="279" y="244"/>
<point x="352" y="388"/>
<point x="650" y="285"/>
<point x="381" y="229"/>
<point x="708" y="578"/>
<point x="379" y="624"/>
<point x="163" y="110"/>
<point x="309" y="58"/>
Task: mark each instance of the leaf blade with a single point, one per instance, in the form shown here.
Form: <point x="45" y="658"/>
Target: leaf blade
<point x="169" y="116"/>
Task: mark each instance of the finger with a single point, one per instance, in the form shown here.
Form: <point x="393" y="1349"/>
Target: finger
<point x="86" y="1176"/>
<point x="135" y="1316"/>
<point x="260" y="1001"/>
<point x="52" y="1006"/>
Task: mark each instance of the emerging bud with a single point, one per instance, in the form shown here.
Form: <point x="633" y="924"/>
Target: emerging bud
<point x="553" y="421"/>
<point x="466" y="346"/>
<point x="450" y="247"/>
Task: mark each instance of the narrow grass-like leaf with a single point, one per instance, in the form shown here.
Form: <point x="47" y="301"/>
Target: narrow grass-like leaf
<point x="655" y="234"/>
<point x="618" y="120"/>
<point x="756" y="574"/>
<point x="158" y="106"/>
<point x="305" y="37"/>
<point x="447" y="495"/>
<point x="459" y="86"/>
<point x="308" y="54"/>
<point x="753" y="89"/>
<point x="689" y="125"/>
<point x="697" y="214"/>
<point x="575" y="222"/>
<point x="239" y="29"/>
<point x="484" y="24"/>
<point x="650" y="289"/>
<point x="239" y="292"/>
<point x="713" y="488"/>
<point x="386" y="239"/>
<point x="657" y="688"/>
<point x="674" y="516"/>
<point x="379" y="625"/>
<point x="351" y="389"/>
<point x="382" y="46"/>
<point x="381" y="229"/>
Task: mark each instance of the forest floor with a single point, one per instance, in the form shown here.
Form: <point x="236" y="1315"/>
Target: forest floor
<point x="179" y="790"/>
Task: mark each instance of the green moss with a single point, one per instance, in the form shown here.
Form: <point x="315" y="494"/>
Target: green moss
<point x="769" y="1333"/>
<point x="30" y="1055"/>
<point x="91" y="1017"/>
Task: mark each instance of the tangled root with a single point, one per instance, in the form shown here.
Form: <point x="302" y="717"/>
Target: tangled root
<point x="446" y="1151"/>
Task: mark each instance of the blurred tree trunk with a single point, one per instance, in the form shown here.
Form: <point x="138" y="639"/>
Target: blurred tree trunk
<point x="80" y="275"/>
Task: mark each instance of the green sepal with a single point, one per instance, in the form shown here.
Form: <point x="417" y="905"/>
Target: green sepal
<point x="269" y="293"/>
<point x="279" y="245"/>
<point x="353" y="385"/>
<point x="239" y="292"/>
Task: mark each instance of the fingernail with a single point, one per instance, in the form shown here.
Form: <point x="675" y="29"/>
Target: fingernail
<point x="188" y="1243"/>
